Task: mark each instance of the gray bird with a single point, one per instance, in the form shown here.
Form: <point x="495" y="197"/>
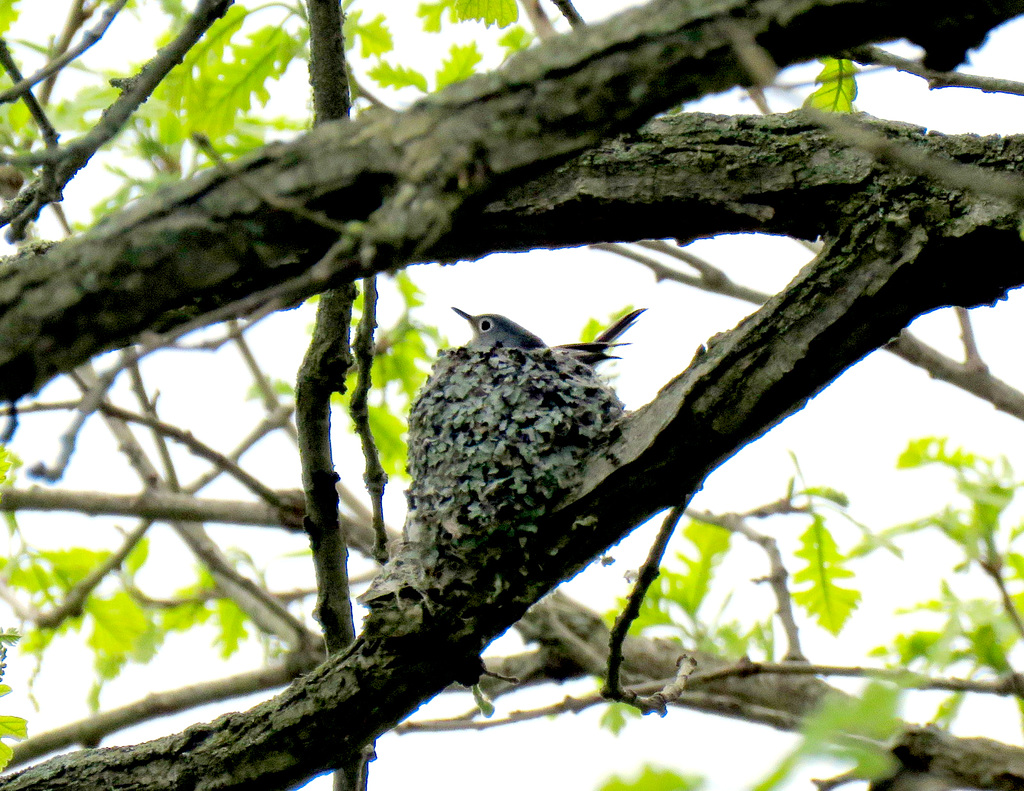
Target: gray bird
<point x="491" y="330"/>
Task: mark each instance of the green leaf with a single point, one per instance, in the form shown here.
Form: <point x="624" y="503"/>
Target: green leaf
<point x="388" y="431"/>
<point x="279" y="386"/>
<point x="5" y="464"/>
<point x="827" y="493"/>
<point x="838" y="86"/>
<point x="711" y="544"/>
<point x="221" y="77"/>
<point x="374" y="36"/>
<point x="459" y="65"/>
<point x="173" y="8"/>
<point x="594" y="327"/>
<point x="830" y="604"/>
<point x="491" y="12"/>
<point x="431" y="13"/>
<point x="514" y="39"/>
<point x="137" y="557"/>
<point x="932" y="450"/>
<point x="184" y="616"/>
<point x="616" y="715"/>
<point x="8" y="14"/>
<point x="482" y="702"/>
<point x="15" y="727"/>
<point x="652" y="778"/>
<point x="231" y="621"/>
<point x="826" y="733"/>
<point x="118" y="623"/>
<point x="388" y="76"/>
<point x="948" y="710"/>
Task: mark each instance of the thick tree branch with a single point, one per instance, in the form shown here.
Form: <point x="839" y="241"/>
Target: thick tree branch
<point x="406" y="179"/>
<point x="880" y="271"/>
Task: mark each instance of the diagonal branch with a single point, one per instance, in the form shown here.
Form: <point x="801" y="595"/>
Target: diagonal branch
<point x="89" y="38"/>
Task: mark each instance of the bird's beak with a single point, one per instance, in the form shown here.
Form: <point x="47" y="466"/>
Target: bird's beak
<point x="463" y="313"/>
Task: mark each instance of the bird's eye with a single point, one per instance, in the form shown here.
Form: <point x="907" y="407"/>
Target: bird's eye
<point x="485" y="325"/>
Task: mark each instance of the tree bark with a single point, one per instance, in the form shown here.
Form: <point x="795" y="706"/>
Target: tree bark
<point x="891" y="262"/>
<point x="392" y="186"/>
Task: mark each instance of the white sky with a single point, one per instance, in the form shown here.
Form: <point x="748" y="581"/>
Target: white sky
<point x="848" y="438"/>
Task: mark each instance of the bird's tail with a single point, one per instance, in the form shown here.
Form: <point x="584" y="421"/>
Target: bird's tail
<point x="596" y="351"/>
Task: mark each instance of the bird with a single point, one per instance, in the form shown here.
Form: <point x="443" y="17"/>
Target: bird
<point x="491" y="330"/>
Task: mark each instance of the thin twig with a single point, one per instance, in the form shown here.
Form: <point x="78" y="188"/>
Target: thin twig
<point x="64" y="56"/>
<point x="271" y="400"/>
<point x="38" y="406"/>
<point x="907" y="346"/>
<point x="936" y="79"/>
<point x="777" y="576"/>
<point x="91" y="399"/>
<point x="267" y="613"/>
<point x="322" y="372"/>
<point x="649" y="572"/>
<point x="726" y="705"/>
<point x="160" y="506"/>
<point x="711" y="278"/>
<point x="324" y="368"/>
<point x="74" y="601"/>
<point x="46" y="129"/>
<point x="1006" y="685"/>
<point x="570" y="13"/>
<point x="149" y="408"/>
<point x="271" y="422"/>
<point x="972" y="357"/>
<point x="947" y="172"/>
<point x="374" y="477"/>
<point x="79" y="12"/>
<point x="203" y="451"/>
<point x="994" y="569"/>
<point x="46" y="183"/>
<point x="215" y="344"/>
<point x="538" y="19"/>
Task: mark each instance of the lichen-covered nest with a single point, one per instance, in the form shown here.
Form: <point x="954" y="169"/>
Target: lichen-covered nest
<point x="497" y="436"/>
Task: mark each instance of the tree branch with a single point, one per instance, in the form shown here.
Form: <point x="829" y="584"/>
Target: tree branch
<point x="65" y="56"/>
<point x="374" y="476"/>
<point x="874" y="276"/>
<point x="405" y="199"/>
<point x="323" y="371"/>
<point x="92" y="730"/>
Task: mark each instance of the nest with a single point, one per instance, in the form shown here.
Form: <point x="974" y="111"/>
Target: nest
<point x="496" y="437"/>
